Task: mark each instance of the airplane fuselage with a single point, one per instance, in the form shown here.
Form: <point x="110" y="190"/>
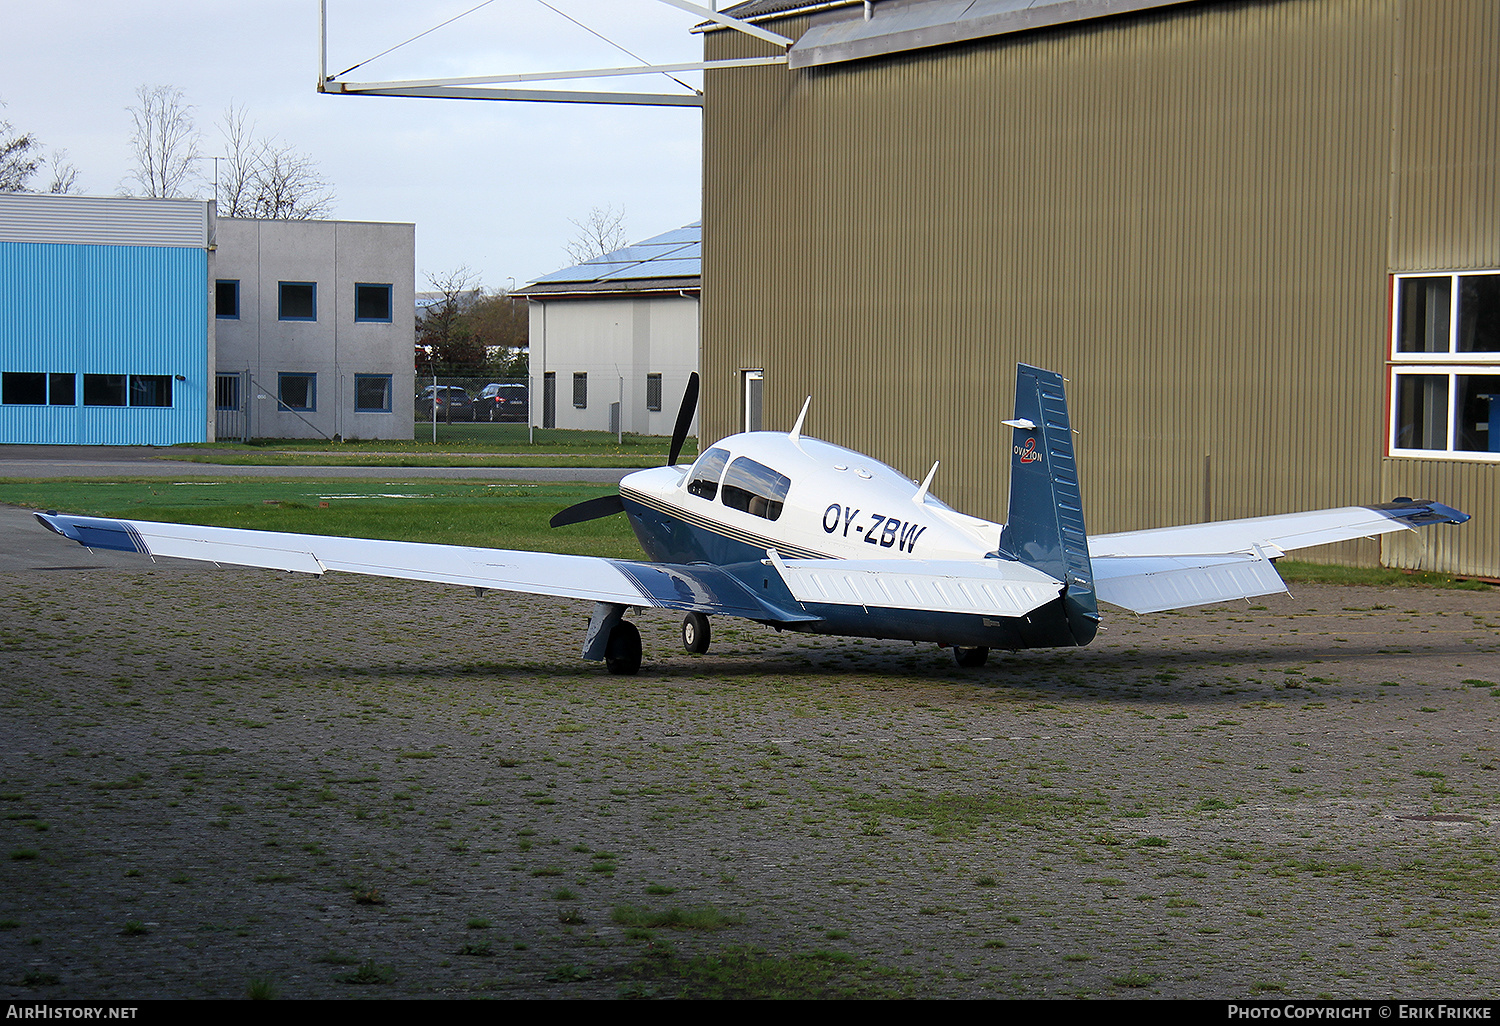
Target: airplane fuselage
<point x="807" y="499"/>
<point x="819" y="501"/>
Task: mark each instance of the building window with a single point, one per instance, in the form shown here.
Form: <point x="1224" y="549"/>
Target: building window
<point x="298" y="301"/>
<point x="227" y="391"/>
<point x="1445" y="365"/>
<point x="581" y="390"/>
<point x="297" y="391"/>
<point x="227" y="299"/>
<point x="150" y="390"/>
<point x="22" y="388"/>
<point x="752" y="383"/>
<point x="372" y="393"/>
<point x="106" y="390"/>
<point x="62" y="390"/>
<point x="653" y="392"/>
<point x="29" y="388"/>
<point x="372" y="303"/>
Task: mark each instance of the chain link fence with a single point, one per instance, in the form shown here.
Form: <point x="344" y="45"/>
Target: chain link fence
<point x="456" y="408"/>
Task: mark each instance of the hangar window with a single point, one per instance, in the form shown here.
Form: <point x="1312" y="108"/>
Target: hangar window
<point x="653" y="392"/>
<point x="755" y="488"/>
<point x="581" y="390"/>
<point x="62" y="390"/>
<point x="297" y="391"/>
<point x="106" y="390"/>
<point x="297" y="301"/>
<point x="703" y="479"/>
<point x="150" y="390"/>
<point x="23" y="389"/>
<point x="1445" y="365"/>
<point x="372" y="303"/>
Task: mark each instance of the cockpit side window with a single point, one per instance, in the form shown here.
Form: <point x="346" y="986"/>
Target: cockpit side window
<point x="703" y="479"/>
<point x="755" y="488"/>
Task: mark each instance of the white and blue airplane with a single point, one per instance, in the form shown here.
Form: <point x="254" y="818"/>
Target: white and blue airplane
<point x="802" y="535"/>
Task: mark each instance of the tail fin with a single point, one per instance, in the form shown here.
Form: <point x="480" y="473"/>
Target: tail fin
<point x="1045" y="528"/>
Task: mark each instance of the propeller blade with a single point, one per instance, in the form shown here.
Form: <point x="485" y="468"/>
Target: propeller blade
<point x="684" y="418"/>
<point x="589" y="509"/>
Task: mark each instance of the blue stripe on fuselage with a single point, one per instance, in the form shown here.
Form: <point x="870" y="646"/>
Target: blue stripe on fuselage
<point x="670" y="535"/>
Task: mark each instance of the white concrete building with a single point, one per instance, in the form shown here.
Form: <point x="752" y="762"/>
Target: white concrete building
<point x="613" y="340"/>
<point x="314" y="325"/>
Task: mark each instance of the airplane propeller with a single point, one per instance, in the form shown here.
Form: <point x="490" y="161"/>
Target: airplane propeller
<point x="608" y="505"/>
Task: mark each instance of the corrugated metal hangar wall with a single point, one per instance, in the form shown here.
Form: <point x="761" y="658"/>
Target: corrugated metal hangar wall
<point x="1195" y="213"/>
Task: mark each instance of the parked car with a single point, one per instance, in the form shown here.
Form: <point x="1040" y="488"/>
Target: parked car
<point x="445" y="402"/>
<point x="503" y="402"/>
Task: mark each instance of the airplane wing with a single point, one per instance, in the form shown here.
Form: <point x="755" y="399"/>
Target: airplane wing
<point x="1174" y="567"/>
<point x="618" y="582"/>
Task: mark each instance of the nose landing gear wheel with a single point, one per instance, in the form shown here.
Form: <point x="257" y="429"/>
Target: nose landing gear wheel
<point x="622" y="656"/>
<point x="971" y="657"/>
<point x="695" y="633"/>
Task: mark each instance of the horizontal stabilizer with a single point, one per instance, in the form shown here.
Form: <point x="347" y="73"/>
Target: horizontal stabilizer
<point x="1149" y="584"/>
<point x="991" y="587"/>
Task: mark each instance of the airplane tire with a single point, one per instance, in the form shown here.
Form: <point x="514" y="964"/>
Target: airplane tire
<point x="971" y="657"/>
<point x="622" y="655"/>
<point x="695" y="633"/>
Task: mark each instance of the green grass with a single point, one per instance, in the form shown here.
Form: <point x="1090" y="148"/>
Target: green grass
<point x="458" y="445"/>
<point x="705" y="918"/>
<point x="1379" y="577"/>
<point x="485" y="513"/>
<point x="750" y="973"/>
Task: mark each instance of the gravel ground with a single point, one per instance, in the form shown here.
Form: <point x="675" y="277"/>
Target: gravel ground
<point x="220" y="782"/>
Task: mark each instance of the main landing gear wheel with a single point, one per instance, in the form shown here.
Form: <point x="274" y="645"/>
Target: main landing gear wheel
<point x="623" y="653"/>
<point x="695" y="633"/>
<point x="971" y="657"/>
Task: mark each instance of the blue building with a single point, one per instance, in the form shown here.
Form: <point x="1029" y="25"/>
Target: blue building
<point x="105" y="323"/>
<point x="153" y="322"/>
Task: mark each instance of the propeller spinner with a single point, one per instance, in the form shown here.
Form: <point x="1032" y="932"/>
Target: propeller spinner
<point x="608" y="505"/>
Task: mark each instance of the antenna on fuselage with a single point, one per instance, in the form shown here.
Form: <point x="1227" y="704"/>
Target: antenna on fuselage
<point x="921" y="495"/>
<point x="796" y="433"/>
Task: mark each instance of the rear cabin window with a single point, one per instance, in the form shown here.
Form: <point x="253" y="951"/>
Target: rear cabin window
<point x="755" y="488"/>
<point x="703" y="480"/>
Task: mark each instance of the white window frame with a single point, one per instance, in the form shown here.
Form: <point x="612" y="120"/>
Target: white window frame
<point x="1451" y="364"/>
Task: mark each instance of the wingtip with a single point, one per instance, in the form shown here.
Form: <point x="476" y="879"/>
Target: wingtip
<point x="1420" y="512"/>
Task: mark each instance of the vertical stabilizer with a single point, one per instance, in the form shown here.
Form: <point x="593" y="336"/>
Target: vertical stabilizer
<point x="1045" y="528"/>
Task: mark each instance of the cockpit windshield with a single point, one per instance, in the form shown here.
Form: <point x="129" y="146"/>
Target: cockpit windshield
<point x="703" y="479"/>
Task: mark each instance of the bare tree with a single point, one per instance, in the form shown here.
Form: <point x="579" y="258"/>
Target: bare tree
<point x="265" y="178"/>
<point x="233" y="188"/>
<point x="289" y="186"/>
<point x="164" y="142"/>
<point x="601" y="232"/>
<point x="20" y="156"/>
<point x="64" y="175"/>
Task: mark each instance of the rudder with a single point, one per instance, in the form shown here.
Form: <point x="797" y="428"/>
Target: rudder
<point x="1045" y="521"/>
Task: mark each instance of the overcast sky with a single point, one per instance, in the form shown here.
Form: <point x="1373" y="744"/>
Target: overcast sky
<point x="489" y="185"/>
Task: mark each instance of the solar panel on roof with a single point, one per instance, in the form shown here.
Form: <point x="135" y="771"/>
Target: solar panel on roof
<point x="692" y="233"/>
<point x="674" y="254"/>
<point x="657" y="269"/>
